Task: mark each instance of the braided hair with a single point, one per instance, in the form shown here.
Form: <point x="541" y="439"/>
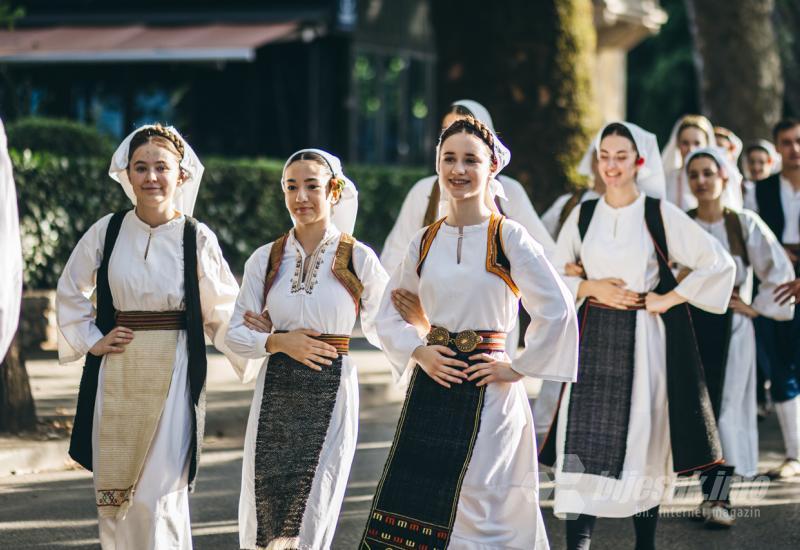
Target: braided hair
<point x="160" y="135"/>
<point x="471" y="125"/>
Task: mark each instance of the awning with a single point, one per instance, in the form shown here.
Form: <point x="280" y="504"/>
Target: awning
<point x="136" y="43"/>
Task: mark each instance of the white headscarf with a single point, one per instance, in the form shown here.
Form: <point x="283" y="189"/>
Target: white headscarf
<point x="344" y="212"/>
<point x="585" y="165"/>
<point x="10" y="250"/>
<point x="769" y="148"/>
<point x="671" y="155"/>
<point x="650" y="177"/>
<point x="733" y="138"/>
<point x="185" y="194"/>
<point x="478" y="111"/>
<point x="501" y="153"/>
<point x="732" y="195"/>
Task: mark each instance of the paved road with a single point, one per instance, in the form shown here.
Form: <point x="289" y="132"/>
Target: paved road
<point x="54" y="510"/>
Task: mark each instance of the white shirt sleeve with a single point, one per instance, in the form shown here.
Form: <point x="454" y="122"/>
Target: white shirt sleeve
<point x="11" y="253"/>
<point x="75" y="311"/>
<point x="518" y="207"/>
<point x="770" y="264"/>
<point x="374" y="278"/>
<point x="399" y="339"/>
<point x="710" y="283"/>
<point x="218" y="292"/>
<point x="243" y="341"/>
<point x="551" y="340"/>
<point x="409" y="222"/>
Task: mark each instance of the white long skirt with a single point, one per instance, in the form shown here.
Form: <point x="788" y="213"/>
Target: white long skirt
<point x="498" y="507"/>
<point x="737" y="423"/>
<point x="158" y="517"/>
<point x="330" y="480"/>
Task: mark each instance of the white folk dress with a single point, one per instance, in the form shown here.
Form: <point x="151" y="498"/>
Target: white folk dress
<point x="516" y="206"/>
<point x="498" y="507"/>
<point x="737" y="422"/>
<point x="618" y="244"/>
<point x="327" y="307"/>
<point x="145" y="273"/>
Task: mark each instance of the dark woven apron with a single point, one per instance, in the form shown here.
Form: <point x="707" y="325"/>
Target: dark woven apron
<point x="597" y="431"/>
<point x="417" y="496"/>
<point x="296" y="410"/>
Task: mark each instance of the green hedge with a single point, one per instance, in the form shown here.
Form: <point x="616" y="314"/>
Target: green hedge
<point x="241" y="200"/>
<point x="58" y="136"/>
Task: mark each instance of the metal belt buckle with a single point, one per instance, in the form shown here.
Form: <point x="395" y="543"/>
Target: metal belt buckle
<point x="438" y="336"/>
<point x="467" y="340"/>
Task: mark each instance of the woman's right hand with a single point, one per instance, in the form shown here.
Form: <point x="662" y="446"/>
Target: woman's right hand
<point x="113" y="342"/>
<point x="438" y="363"/>
<point x="611" y="292"/>
<point x="300" y="346"/>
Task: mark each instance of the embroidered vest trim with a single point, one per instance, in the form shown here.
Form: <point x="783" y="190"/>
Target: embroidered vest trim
<point x="342" y="267"/>
<point x="343" y="270"/>
<point x="496" y="260"/>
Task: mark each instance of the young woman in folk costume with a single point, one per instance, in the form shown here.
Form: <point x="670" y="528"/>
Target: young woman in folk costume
<point x="462" y="469"/>
<point x="161" y="285"/>
<point x="426" y="203"/>
<point x="727" y="342"/>
<point x="640" y="410"/>
<point x="310" y="285"/>
<point x="690" y="132"/>
<point x="759" y="162"/>
<point x="728" y="142"/>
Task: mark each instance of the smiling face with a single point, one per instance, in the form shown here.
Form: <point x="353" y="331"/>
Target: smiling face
<point x="617" y="161"/>
<point x="465" y="166"/>
<point x="787" y="142"/>
<point x="758" y="164"/>
<point x="705" y="179"/>
<point x="306" y="192"/>
<point x="691" y="138"/>
<point x="154" y="172"/>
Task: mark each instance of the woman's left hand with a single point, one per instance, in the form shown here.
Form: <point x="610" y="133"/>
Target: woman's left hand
<point x="410" y="309"/>
<point x="737" y="305"/>
<point x="491" y="370"/>
<point x="661" y="303"/>
<point x="258" y="323"/>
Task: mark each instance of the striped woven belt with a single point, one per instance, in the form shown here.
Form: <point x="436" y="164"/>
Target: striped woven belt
<point x="640" y="304"/>
<point x="468" y="340"/>
<point x="340" y="341"/>
<point x="152" y="320"/>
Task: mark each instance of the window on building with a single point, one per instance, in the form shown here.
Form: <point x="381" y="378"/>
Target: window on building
<point x="392" y="122"/>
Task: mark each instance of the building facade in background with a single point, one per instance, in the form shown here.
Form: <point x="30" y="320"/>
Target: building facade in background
<point x="249" y="78"/>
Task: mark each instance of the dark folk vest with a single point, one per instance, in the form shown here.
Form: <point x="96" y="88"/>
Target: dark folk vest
<point x="342" y="267"/>
<point x="80" y="448"/>
<point x="770" y="208"/>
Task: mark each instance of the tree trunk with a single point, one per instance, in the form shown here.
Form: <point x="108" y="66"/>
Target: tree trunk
<point x="787" y="25"/>
<point x="738" y="64"/>
<point x="17" y="411"/>
<point x="530" y="64"/>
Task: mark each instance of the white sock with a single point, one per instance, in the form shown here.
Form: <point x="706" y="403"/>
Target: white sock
<point x="789" y="419"/>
